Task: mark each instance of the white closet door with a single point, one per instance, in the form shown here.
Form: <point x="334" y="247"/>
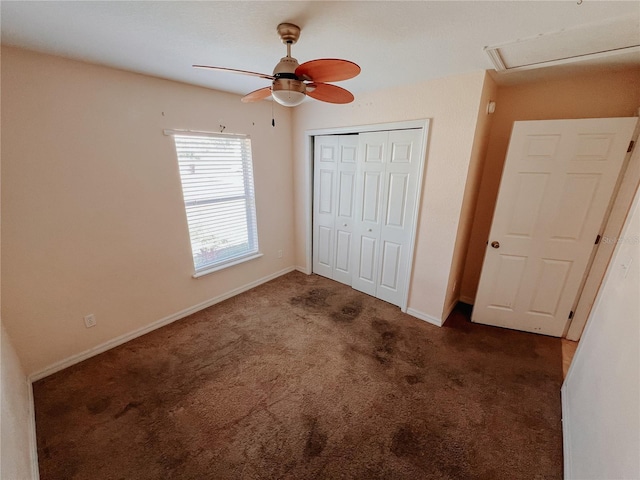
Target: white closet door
<point x="398" y="206"/>
<point x="345" y="200"/>
<point x="365" y="195"/>
<point x="387" y="179"/>
<point x="324" y="204"/>
<point x="372" y="156"/>
<point x="333" y="211"/>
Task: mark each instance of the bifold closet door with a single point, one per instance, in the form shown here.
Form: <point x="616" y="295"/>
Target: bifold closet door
<point x="386" y="184"/>
<point x="335" y="160"/>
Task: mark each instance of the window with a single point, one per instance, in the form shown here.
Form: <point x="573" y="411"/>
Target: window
<point x="217" y="184"/>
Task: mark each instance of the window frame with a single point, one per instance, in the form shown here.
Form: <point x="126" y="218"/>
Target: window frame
<point x="248" y="196"/>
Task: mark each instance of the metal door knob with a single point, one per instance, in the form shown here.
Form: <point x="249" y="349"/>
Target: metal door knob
<point x="495" y="244"/>
<point x="369" y="230"/>
<point x="344" y="224"/>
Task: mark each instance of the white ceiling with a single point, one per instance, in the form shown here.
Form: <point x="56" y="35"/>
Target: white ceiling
<point x="395" y="43"/>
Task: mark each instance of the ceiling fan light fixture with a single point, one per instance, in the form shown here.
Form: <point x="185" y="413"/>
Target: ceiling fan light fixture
<point x="288" y="92"/>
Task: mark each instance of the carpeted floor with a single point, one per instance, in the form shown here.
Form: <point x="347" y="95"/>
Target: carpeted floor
<point x="305" y="378"/>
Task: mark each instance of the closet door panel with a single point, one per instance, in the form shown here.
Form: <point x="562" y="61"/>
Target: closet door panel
<point x="326" y="152"/>
<point x="345" y="208"/>
<point x="368" y="208"/>
<point x="389" y="273"/>
<point x="399" y="203"/>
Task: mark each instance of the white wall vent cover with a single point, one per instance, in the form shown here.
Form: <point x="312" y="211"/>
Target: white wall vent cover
<point x="620" y="35"/>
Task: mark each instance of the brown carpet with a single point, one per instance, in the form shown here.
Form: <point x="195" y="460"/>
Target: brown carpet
<point x="305" y="378"/>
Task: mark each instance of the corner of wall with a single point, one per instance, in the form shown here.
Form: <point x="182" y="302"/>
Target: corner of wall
<point x="19" y="454"/>
<point x="33" y="439"/>
<point x="478" y="154"/>
<point x="566" y="433"/>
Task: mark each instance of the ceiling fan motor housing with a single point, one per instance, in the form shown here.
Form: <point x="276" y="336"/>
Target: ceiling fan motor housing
<point x="286" y="65"/>
<point x="287" y="89"/>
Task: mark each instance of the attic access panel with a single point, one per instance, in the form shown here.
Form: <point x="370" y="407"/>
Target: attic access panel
<point x="617" y="36"/>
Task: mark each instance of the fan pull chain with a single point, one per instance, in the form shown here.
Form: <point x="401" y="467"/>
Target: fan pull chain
<point x="273" y="120"/>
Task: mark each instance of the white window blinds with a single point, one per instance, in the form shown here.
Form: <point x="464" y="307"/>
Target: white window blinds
<point x="217" y="183"/>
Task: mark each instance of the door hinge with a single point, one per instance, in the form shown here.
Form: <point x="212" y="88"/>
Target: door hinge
<point x="631" y="144"/>
<point x="571" y="315"/>
<point x="598" y="239"/>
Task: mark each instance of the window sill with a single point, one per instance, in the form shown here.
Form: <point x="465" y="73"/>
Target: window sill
<point x="231" y="263"/>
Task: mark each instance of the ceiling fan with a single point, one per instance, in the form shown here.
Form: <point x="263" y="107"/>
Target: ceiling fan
<point x="292" y="82"/>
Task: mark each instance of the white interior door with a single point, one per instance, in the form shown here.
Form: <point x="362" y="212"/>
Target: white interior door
<point x="334" y="183"/>
<point x="387" y="178"/>
<point x="558" y="179"/>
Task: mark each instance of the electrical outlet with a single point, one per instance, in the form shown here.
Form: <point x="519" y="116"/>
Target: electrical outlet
<point x="90" y="320"/>
<point x="279" y="253"/>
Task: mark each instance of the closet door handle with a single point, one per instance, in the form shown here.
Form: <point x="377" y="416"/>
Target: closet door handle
<point x="344" y="224"/>
<point x="369" y="230"/>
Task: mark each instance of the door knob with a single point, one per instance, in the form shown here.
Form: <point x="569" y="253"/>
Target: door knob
<point x="344" y="224"/>
<point x="369" y="230"/>
<point x="495" y="244"/>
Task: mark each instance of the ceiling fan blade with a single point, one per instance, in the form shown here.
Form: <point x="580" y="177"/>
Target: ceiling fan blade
<point x="233" y="70"/>
<point x="257" y="95"/>
<point x="329" y="93"/>
<point x="328" y="70"/>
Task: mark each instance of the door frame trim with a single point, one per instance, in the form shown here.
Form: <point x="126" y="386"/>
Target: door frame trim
<point x="309" y="135"/>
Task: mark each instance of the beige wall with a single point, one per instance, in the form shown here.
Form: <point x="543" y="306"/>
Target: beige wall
<point x="92" y="211"/>
<point x="452" y="104"/>
<point x="605" y="94"/>
<point x="601" y="394"/>
<point x="474" y="176"/>
<point x="15" y="415"/>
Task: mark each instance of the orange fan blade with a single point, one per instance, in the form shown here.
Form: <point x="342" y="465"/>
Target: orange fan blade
<point x="257" y="95"/>
<point x="329" y="93"/>
<point x="327" y="70"/>
<point x="233" y="70"/>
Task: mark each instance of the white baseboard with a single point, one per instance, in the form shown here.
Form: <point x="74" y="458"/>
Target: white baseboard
<point x="305" y="270"/>
<point x="79" y="357"/>
<point x="566" y="435"/>
<point x="423" y="316"/>
<point x="33" y="441"/>
<point x="467" y="300"/>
